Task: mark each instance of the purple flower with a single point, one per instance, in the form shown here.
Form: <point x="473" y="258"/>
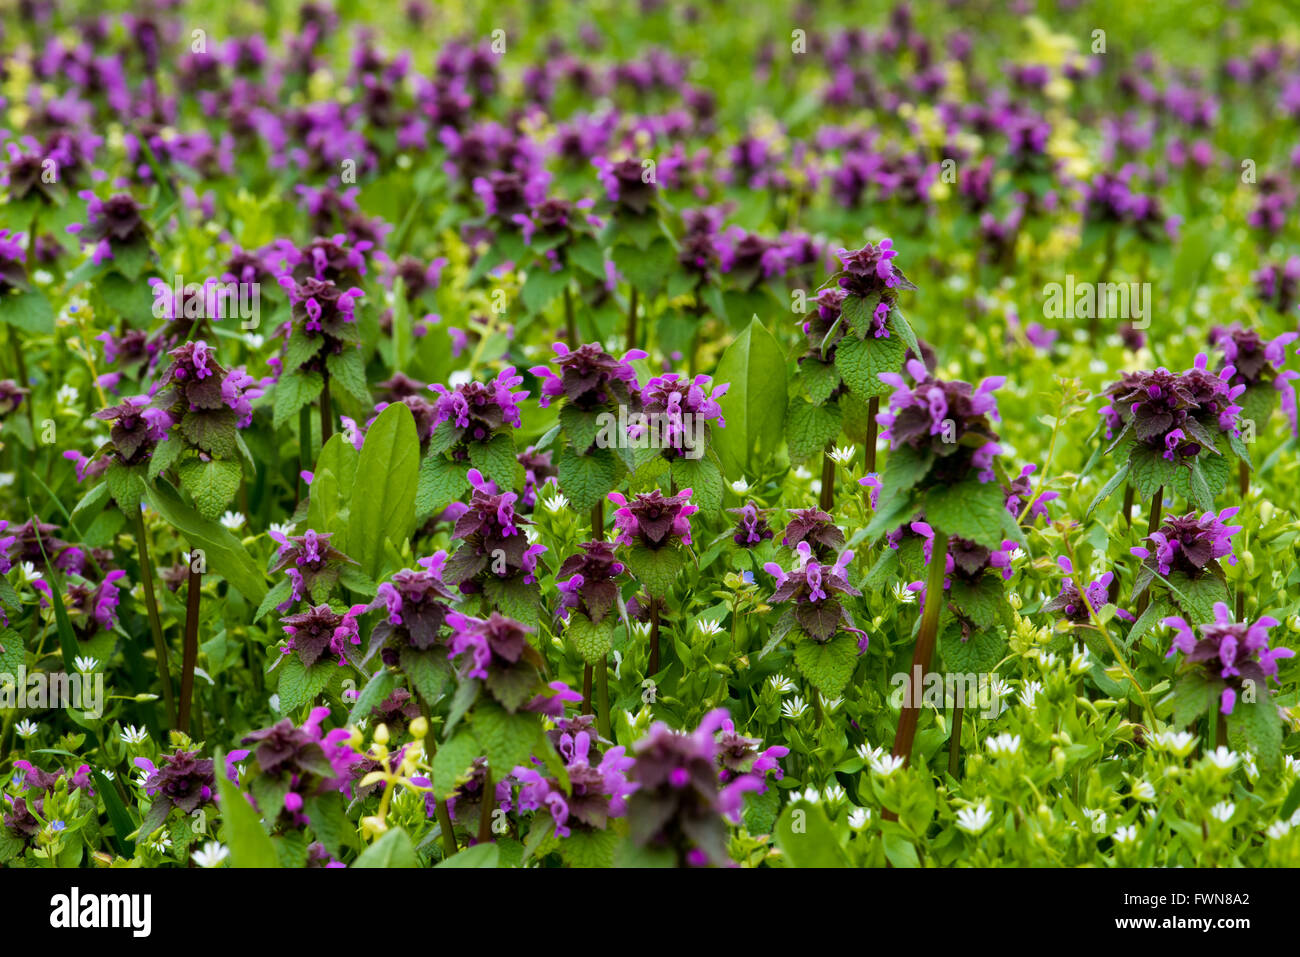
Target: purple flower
<point x="1233" y="654"/>
<point x="680" y="412"/>
<point x="1191" y="544"/>
<point x="751" y="528"/>
<point x="181" y="779"/>
<point x="652" y="520"/>
<point x="137" y="428"/>
<point x="597" y="791"/>
<point x="869" y="274"/>
<point x="1070" y="603"/>
<point x="814" y="588"/>
<point x="815" y="527"/>
<point x="478" y="411"/>
<point x="492" y="539"/>
<point x="590" y="379"/>
<point x="496" y="650"/>
<point x="320" y="631"/>
<point x="305" y="760"/>
<point x="588" y="581"/>
<point x="311" y="562"/>
<point x="113" y="223"/>
<point x="1152" y="406"/>
<point x="415" y="603"/>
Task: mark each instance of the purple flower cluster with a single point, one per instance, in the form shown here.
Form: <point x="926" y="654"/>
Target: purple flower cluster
<point x="306" y="760"/>
<point x="814" y="589"/>
<point x="478" y="411"/>
<point x="113" y="224"/>
<point x="590" y="379"/>
<point x="1236" y="654"/>
<point x="751" y="527"/>
<point x="320" y="630"/>
<point x="653" y="520"/>
<point x="596" y="793"/>
<point x="492" y="538"/>
<point x="137" y="428"/>
<point x="309" y="560"/>
<point x="1191" y="544"/>
<point x="415" y="603"/>
<point x="1176" y="415"/>
<point x="588" y="582"/>
<point x="1078" y="607"/>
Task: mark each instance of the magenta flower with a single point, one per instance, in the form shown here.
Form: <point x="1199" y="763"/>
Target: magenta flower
<point x="652" y="520"/>
<point x="1234" y="654"/>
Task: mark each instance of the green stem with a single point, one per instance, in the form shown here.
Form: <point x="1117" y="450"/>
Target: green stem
<point x="440" y="806"/>
<point x="631" y="320"/>
<point x="954" y="743"/>
<point x="304" y="448"/>
<point x="155" y="623"/>
<point x="1153" y="526"/>
<point x="827" y="498"/>
<point x="570" y="325"/>
<point x="326" y="410"/>
<point x="190" y="654"/>
<point x="485" y="809"/>
<point x="653" y="668"/>
<point x="602" y="700"/>
<point x="925" y="644"/>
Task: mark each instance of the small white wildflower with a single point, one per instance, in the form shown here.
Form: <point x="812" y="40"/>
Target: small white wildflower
<point x="85" y="664"/>
<point x="1223" y="811"/>
<point x="1080" y="661"/>
<point x="1029" y="692"/>
<point x="780" y="683"/>
<point x="531" y="534"/>
<point x="1047" y="661"/>
<point x="109" y="775"/>
<point x="802" y="474"/>
<point x="7" y="479"/>
<point x="27" y="573"/>
<point x="1252" y="769"/>
<point x="1278" y="830"/>
<point x="793" y="707"/>
<point x="163" y="843"/>
<point x="974" y="820"/>
<point x="255" y="340"/>
<point x="211" y="854"/>
<point x="1125" y="835"/>
<point x="282" y="528"/>
<point x="233" y="521"/>
<point x="830" y="705"/>
<point x="1178" y="743"/>
<point x="869" y="754"/>
<point x="886" y="764"/>
<point x="842" y="455"/>
<point x="67" y="397"/>
<point x="1003" y="744"/>
<point x="902" y="594"/>
<point x="1291" y="764"/>
<point x="133" y="735"/>
<point x="1098" y="818"/>
<point x="642" y="628"/>
<point x="859" y="818"/>
<point x="834" y="794"/>
<point x="1143" y="791"/>
<point x="810" y="795"/>
<point x="708" y="628"/>
<point x="1223" y="759"/>
<point x="26" y="728"/>
<point x="740" y="486"/>
<point x="555" y="503"/>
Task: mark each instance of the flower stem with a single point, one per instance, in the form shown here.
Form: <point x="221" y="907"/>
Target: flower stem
<point x="326" y="410"/>
<point x="155" y="624"/>
<point x="304" y="448"/>
<point x="440" y="806"/>
<point x="827" y="498"/>
<point x="190" y="655"/>
<point x="485" y="809"/>
<point x="570" y="326"/>
<point x="1243" y="479"/>
<point x="1128" y="505"/>
<point x="925" y="643"/>
<point x="602" y="700"/>
<point x="873" y="409"/>
<point x="654" y="637"/>
<point x="1153" y="526"/>
<point x="631" y="320"/>
<point x="954" y="743"/>
<point x="586" y="689"/>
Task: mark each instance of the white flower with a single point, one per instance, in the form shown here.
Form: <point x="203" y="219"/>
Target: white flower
<point x="802" y="474"/>
<point x="133" y="735"/>
<point x="67" y="397"/>
<point x="886" y="764"/>
<point x="1143" y="791"/>
<point x="1125" y="835"/>
<point x="973" y="820"/>
<point x="1178" y="743"/>
<point x="109" y="775"/>
<point x="1252" y="769"/>
<point x="211" y="854"/>
<point x="555" y="503"/>
<point x="531" y="534"/>
<point x="740" y="486"/>
<point x="255" y="340"/>
<point x="1047" y="661"/>
<point x="233" y="521"/>
<point x="163" y="843"/>
<point x="780" y="683"/>
<point x="642" y="628"/>
<point x="1080" y="661"/>
<point x="1029" y="691"/>
<point x="834" y="794"/>
<point x="85" y="664"/>
<point x="869" y="754"/>
<point x="7" y="479"/>
<point x="282" y="528"/>
<point x="902" y="594"/>
<point x="1292" y="764"/>
<point x="1098" y="819"/>
<point x="842" y="455"/>
<point x="708" y="628"/>
<point x="829" y="705"/>
<point x="1223" y="759"/>
<point x="859" y="818"/>
<point x="1223" y="811"/>
<point x="1003" y="744"/>
<point x="27" y="573"/>
<point x="810" y="795"/>
<point x="794" y="707"/>
<point x="26" y="728"/>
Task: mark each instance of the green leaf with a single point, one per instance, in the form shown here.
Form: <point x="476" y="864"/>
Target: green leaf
<point x="379" y="687"/>
<point x="580" y="426"/>
<point x="593" y="640"/>
<point x="393" y="850"/>
<point x="754" y="407"/>
<point x="388" y="469"/>
<point x="819" y="378"/>
<point x="646" y="269"/>
<point x="225" y="554"/>
<point x="212" y="430"/>
<point x="898" y="323"/>
<point x="428" y="671"/>
<point x="348" y="369"/>
<point x="165" y="454"/>
<point x="452" y="763"/>
<point x="984" y="602"/>
<point x="212" y="484"/>
<point x="276" y="596"/>
<point x="903" y="469"/>
<point x="126" y="483"/>
<point x="978" y="654"/>
<point x="1148" y="471"/>
<point x="440" y="483"/>
<point x="508" y="740"/>
<point x="480" y="855"/>
<point x="117" y="814"/>
<point x="703" y="479"/>
<point x="972" y="510"/>
<point x="300" y="685"/>
<point x="293" y="391"/>
<point x="656" y="568"/>
<point x="861" y="361"/>
<point x="828" y="665"/>
<point x="1261" y="726"/>
<point x="496" y="460"/>
<point x="299" y="349"/>
<point x="1106" y="490"/>
<point x="241" y="830"/>
<point x="1193" y="694"/>
<point x="806" y="838"/>
<point x="589" y="848"/>
<point x="587" y="479"/>
<point x="29" y="311"/>
<point x="542" y="286"/>
<point x="809" y="428"/>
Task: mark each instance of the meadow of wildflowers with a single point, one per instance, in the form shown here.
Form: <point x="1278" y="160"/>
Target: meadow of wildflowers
<point x="663" y="434"/>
